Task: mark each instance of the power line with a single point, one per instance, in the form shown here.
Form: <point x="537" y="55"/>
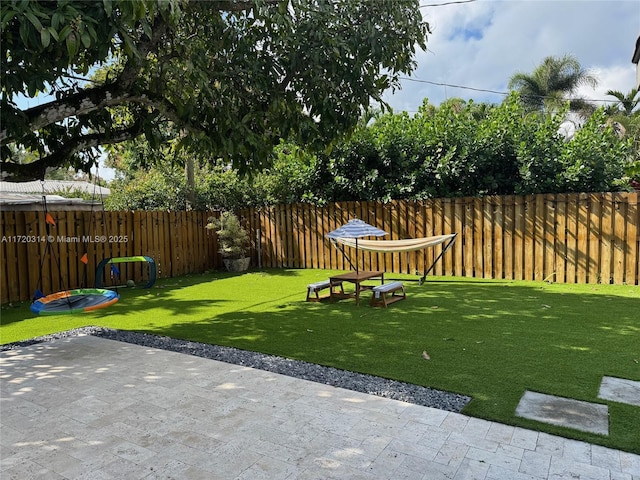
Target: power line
<point x="464" y="87"/>
<point x="446" y="3"/>
<point x="417" y="80"/>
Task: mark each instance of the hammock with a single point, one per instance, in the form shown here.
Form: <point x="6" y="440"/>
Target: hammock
<point x="391" y="246"/>
<point x="394" y="246"/>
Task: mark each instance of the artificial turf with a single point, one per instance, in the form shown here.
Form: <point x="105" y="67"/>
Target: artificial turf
<point x="489" y="339"/>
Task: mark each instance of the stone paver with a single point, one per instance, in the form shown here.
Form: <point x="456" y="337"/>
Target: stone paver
<point x="565" y="412"/>
<point x="620" y="390"/>
<point x="86" y="407"/>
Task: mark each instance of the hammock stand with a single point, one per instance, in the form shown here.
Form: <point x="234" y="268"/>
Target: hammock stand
<point x="394" y="246"/>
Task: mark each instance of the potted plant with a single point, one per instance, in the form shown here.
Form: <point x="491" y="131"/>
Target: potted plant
<point x="233" y="240"/>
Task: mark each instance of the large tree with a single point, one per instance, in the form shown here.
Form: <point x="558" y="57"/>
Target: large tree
<point x="552" y="83"/>
<point x="226" y="77"/>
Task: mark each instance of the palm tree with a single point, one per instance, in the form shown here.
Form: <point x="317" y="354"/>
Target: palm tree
<point x="626" y="122"/>
<point x="623" y="114"/>
<point x="551" y="83"/>
<point x="626" y="103"/>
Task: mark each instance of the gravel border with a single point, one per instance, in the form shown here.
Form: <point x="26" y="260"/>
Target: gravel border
<point x="358" y="382"/>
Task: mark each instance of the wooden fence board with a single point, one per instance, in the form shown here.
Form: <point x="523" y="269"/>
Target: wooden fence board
<point x="429" y="230"/>
<point x="508" y="225"/>
<point x="370" y="208"/>
<point x="268" y="246"/>
<point x="619" y="224"/>
<point x="4" y="264"/>
<point x="318" y="236"/>
<point x="606" y="238"/>
<point x="21" y="250"/>
<point x="70" y="256"/>
<point x="369" y="212"/>
<point x="595" y="230"/>
<point x="376" y="209"/>
<point x="498" y="238"/>
<point x="518" y="234"/>
<point x="312" y="236"/>
<point x="306" y="232"/>
<point x="328" y="226"/>
<point x="538" y="238"/>
<point x="467" y="239"/>
<point x="394" y="230"/>
<point x="165" y="260"/>
<point x="458" y="227"/>
<point x="582" y="236"/>
<point x="487" y="237"/>
<point x="45" y="257"/>
<point x="285" y="238"/>
<point x="632" y="264"/>
<point x="549" y="237"/>
<point x="478" y="244"/>
<point x="11" y="259"/>
<point x="529" y="237"/>
<point x="448" y="227"/>
<point x="561" y="239"/>
<point x="290" y="228"/>
<point x="14" y="235"/>
<point x="279" y="237"/>
<point x="33" y="252"/>
<point x="572" y="239"/>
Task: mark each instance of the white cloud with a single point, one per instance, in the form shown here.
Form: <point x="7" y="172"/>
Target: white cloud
<point x="618" y="77"/>
<point x="482" y="44"/>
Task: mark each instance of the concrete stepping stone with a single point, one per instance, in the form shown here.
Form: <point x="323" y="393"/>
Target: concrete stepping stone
<point x="565" y="412"/>
<point x="620" y="390"/>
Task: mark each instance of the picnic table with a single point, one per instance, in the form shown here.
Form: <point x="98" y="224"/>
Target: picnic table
<point x="356" y="278"/>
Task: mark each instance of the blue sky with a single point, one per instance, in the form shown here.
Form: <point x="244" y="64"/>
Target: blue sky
<point x="481" y="44"/>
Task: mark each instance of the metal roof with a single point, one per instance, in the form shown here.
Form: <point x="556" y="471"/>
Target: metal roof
<point x="53" y="186"/>
<point x="32" y="202"/>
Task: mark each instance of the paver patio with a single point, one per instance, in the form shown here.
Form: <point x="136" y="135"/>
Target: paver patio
<point x="87" y="407"/>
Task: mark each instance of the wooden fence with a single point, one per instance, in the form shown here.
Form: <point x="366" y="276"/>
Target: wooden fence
<point x="177" y="241"/>
<point x="581" y="238"/>
<point x="572" y="238"/>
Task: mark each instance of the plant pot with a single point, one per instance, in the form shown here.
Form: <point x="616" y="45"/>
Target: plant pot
<point x="237" y="264"/>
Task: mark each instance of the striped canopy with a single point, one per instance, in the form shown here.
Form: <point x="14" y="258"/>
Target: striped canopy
<point x="356" y="228"/>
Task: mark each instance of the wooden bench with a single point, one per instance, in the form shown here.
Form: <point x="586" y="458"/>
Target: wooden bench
<point x="381" y="297"/>
<point x="314" y="289"/>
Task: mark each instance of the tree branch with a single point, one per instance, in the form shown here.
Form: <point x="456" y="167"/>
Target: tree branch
<point x="36" y="170"/>
<point x="76" y="104"/>
<point x="91" y="99"/>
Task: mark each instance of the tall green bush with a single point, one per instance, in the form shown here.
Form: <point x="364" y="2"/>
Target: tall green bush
<point x="457" y="149"/>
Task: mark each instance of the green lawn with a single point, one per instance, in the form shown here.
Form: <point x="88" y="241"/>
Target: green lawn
<point x="491" y="340"/>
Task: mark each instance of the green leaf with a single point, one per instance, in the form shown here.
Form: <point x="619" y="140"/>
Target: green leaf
<point x="45" y="37"/>
<point x="24" y="33"/>
<point x="72" y="45"/>
<point x="64" y="33"/>
<point x="32" y="89"/>
<point x="55" y="20"/>
<point x="7" y="17"/>
<point x="86" y="39"/>
<point x="34" y="20"/>
<point x="107" y="6"/>
<point x="146" y="27"/>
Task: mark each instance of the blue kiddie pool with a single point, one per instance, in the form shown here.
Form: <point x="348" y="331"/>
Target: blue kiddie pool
<point x="81" y="300"/>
